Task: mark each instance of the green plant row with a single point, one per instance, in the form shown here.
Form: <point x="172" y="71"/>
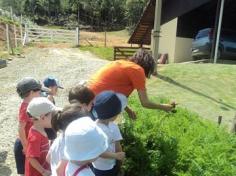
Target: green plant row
<point x="180" y="143"/>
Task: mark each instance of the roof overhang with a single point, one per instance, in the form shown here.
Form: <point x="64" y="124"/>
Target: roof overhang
<point x="170" y="10"/>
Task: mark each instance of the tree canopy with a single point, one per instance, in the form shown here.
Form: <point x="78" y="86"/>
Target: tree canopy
<point x="112" y="14"/>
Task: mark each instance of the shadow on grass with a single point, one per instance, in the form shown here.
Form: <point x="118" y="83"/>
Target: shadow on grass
<point x="171" y="81"/>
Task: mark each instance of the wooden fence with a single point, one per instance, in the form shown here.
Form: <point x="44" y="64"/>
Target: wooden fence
<point x="12" y="36"/>
<point x="121" y="52"/>
<point x="15" y="36"/>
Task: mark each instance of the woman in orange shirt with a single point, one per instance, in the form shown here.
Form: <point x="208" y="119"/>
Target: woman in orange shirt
<point x="123" y="76"/>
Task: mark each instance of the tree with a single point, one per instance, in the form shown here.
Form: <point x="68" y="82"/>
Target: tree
<point x="134" y="10"/>
<point x="113" y="14"/>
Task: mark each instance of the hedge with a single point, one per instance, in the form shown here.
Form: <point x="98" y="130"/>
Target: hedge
<point x="180" y="143"/>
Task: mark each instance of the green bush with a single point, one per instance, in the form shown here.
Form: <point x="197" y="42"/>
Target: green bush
<point x="180" y="143"/>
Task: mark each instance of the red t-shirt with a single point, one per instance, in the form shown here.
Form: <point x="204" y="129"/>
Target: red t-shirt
<point x="37" y="148"/>
<point x="23" y="117"/>
<point x="120" y="76"/>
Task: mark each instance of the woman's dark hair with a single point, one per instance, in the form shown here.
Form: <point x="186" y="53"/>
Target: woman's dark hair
<point x="144" y="59"/>
<point x="82" y="94"/>
<point x="61" y="119"/>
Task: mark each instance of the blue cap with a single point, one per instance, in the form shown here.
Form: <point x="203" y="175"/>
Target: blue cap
<point x="51" y="81"/>
<point x="108" y="104"/>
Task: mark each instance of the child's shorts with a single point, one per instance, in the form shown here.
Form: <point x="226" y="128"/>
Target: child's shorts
<point x="112" y="172"/>
<point x="19" y="157"/>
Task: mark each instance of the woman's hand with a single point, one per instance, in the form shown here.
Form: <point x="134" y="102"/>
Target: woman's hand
<point x="169" y="107"/>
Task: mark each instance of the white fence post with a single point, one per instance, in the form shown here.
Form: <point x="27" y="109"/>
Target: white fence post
<point x="26" y="39"/>
<point x="77" y="36"/>
<point x="21" y="30"/>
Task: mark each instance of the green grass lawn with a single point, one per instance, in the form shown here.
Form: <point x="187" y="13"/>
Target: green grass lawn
<point x="102" y="52"/>
<point x="207" y="89"/>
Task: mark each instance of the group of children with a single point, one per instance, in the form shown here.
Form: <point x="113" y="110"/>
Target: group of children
<point x="79" y="140"/>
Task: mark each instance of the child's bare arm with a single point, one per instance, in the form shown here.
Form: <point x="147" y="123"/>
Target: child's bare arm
<point x="61" y="167"/>
<point x="108" y="155"/>
<point x="35" y="164"/>
<point x="48" y="157"/>
<point x="117" y="155"/>
<point x="22" y="135"/>
<point x="118" y="146"/>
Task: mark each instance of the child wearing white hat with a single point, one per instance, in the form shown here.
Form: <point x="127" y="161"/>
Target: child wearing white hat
<point x="40" y="110"/>
<point x="107" y="106"/>
<point x="84" y="143"/>
<point x="60" y="121"/>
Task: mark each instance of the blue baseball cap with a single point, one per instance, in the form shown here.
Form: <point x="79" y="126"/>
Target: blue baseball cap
<point x="108" y="104"/>
<point x="51" y="81"/>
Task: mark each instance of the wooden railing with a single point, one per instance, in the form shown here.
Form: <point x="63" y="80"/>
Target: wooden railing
<point x="121" y="52"/>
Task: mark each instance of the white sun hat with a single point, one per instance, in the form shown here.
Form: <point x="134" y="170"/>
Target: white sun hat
<point x="84" y="140"/>
<point x="40" y="106"/>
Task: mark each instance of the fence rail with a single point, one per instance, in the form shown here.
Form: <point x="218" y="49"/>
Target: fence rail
<point x="121" y="52"/>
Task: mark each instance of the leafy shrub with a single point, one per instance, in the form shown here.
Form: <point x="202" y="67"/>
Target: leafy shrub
<point x="183" y="144"/>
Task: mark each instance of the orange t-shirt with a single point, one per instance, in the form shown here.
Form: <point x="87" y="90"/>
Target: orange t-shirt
<point x="119" y="76"/>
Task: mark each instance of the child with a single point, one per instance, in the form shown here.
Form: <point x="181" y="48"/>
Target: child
<point x="40" y="110"/>
<point x="53" y="84"/>
<point x="107" y="106"/>
<point x="84" y="142"/>
<point x="27" y="89"/>
<point x="81" y="98"/>
<point x="83" y="95"/>
<point x="60" y="120"/>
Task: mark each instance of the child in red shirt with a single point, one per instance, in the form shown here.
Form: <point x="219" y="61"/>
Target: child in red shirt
<point x="40" y="109"/>
<point x="27" y="89"/>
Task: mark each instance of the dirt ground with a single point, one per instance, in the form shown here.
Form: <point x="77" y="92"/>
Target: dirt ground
<point x="69" y="65"/>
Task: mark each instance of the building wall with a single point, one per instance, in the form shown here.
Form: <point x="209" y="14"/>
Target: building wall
<point x="168" y="39"/>
<point x="183" y="49"/>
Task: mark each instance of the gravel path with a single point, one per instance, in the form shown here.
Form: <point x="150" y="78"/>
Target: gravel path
<point x="68" y="65"/>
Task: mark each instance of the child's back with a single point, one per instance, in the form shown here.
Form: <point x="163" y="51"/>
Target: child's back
<point x="84" y="142"/>
<point x="60" y="120"/>
<point x="107" y="106"/>
<point x="113" y="134"/>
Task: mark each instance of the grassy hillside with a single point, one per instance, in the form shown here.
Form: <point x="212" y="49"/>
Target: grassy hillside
<point x="207" y="89"/>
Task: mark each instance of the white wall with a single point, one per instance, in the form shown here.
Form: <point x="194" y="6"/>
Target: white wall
<point x="183" y="49"/>
<point x="168" y="39"/>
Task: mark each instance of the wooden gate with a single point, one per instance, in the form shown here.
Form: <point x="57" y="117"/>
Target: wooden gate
<point x="51" y="35"/>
